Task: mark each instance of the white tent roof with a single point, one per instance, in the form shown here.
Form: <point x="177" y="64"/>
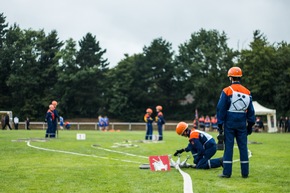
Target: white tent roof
<point x="261" y="110"/>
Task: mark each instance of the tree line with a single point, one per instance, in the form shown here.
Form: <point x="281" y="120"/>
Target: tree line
<point x="36" y="68"/>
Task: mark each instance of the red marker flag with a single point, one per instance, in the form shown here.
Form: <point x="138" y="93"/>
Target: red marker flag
<point x="159" y="163"/>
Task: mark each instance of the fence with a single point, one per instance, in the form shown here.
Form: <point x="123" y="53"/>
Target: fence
<point x="129" y="126"/>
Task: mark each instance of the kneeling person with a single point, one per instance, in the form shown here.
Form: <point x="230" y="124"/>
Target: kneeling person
<point x="202" y="146"/>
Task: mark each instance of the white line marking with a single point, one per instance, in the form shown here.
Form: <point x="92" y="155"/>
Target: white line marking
<point x="109" y="150"/>
<point x="79" y="154"/>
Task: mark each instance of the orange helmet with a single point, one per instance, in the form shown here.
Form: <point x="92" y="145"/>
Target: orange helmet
<point x="159" y="108"/>
<point x="149" y="110"/>
<point x="235" y="72"/>
<point x="54" y="103"/>
<point x="181" y="127"/>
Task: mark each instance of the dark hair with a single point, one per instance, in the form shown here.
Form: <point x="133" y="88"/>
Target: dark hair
<point x="236" y="78"/>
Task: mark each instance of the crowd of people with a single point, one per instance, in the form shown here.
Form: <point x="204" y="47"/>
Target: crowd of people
<point x="205" y="123"/>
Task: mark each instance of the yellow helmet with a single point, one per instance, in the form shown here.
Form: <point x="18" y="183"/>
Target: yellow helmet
<point x="181" y="127"/>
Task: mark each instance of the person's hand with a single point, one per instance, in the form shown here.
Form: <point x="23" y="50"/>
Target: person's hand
<point x="220" y="129"/>
<point x="178" y="152"/>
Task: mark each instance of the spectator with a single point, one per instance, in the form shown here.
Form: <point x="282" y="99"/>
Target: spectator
<point x="201" y="145"/>
<point x="160" y="122"/>
<point x="201" y="123"/>
<point x="214" y="124"/>
<point x="106" y="123"/>
<point x="259" y="126"/>
<point x="16" y="122"/>
<point x="61" y="122"/>
<point x="67" y="125"/>
<point x="101" y="123"/>
<point x="281" y="124"/>
<point x="287" y="124"/>
<point x="6" y="122"/>
<point x="27" y="123"/>
<point x="148" y="120"/>
<point x="234" y="111"/>
<point x="207" y="123"/>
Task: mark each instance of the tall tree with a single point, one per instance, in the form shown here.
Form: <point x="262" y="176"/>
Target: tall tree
<point x="158" y="59"/>
<point x="258" y="65"/>
<point x="123" y="93"/>
<point x="32" y="76"/>
<point x="88" y="85"/>
<point x="266" y="71"/>
<point x="66" y="70"/>
<point x="5" y="60"/>
<point x="202" y="64"/>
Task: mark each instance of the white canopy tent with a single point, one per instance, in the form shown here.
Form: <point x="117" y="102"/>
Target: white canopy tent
<point x="270" y="113"/>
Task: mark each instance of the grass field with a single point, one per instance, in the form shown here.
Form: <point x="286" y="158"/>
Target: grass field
<point x="80" y="166"/>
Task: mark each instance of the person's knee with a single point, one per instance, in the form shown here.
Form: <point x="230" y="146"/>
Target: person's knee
<point x="201" y="166"/>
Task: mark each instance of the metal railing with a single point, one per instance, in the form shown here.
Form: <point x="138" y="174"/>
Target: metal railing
<point x="130" y="126"/>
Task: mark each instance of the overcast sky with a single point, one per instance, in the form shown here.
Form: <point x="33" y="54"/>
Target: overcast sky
<point x="126" y="26"/>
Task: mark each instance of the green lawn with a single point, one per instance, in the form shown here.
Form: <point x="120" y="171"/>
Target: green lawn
<point x="27" y="169"/>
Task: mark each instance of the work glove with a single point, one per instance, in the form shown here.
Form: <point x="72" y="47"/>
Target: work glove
<point x="249" y="128"/>
<point x="220" y="129"/>
<point x="178" y="152"/>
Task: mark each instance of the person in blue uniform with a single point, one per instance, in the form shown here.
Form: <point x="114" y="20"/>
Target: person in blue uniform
<point x="236" y="116"/>
<point x="149" y="127"/>
<point x="56" y="117"/>
<point x="202" y="146"/>
<point x="49" y="119"/>
<point x="160" y="122"/>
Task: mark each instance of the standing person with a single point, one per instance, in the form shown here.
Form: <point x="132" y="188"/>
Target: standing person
<point x="106" y="121"/>
<point x="149" y="128"/>
<point x="281" y="123"/>
<point x="207" y="123"/>
<point x="55" y="120"/>
<point x="27" y="123"/>
<point x="101" y="123"/>
<point x="234" y="111"/>
<point x="214" y="124"/>
<point x="6" y="122"/>
<point x="201" y="123"/>
<point x="61" y="122"/>
<point x="50" y="118"/>
<point x="16" y="122"/>
<point x="160" y="122"/>
<point x="287" y="121"/>
<point x="202" y="146"/>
